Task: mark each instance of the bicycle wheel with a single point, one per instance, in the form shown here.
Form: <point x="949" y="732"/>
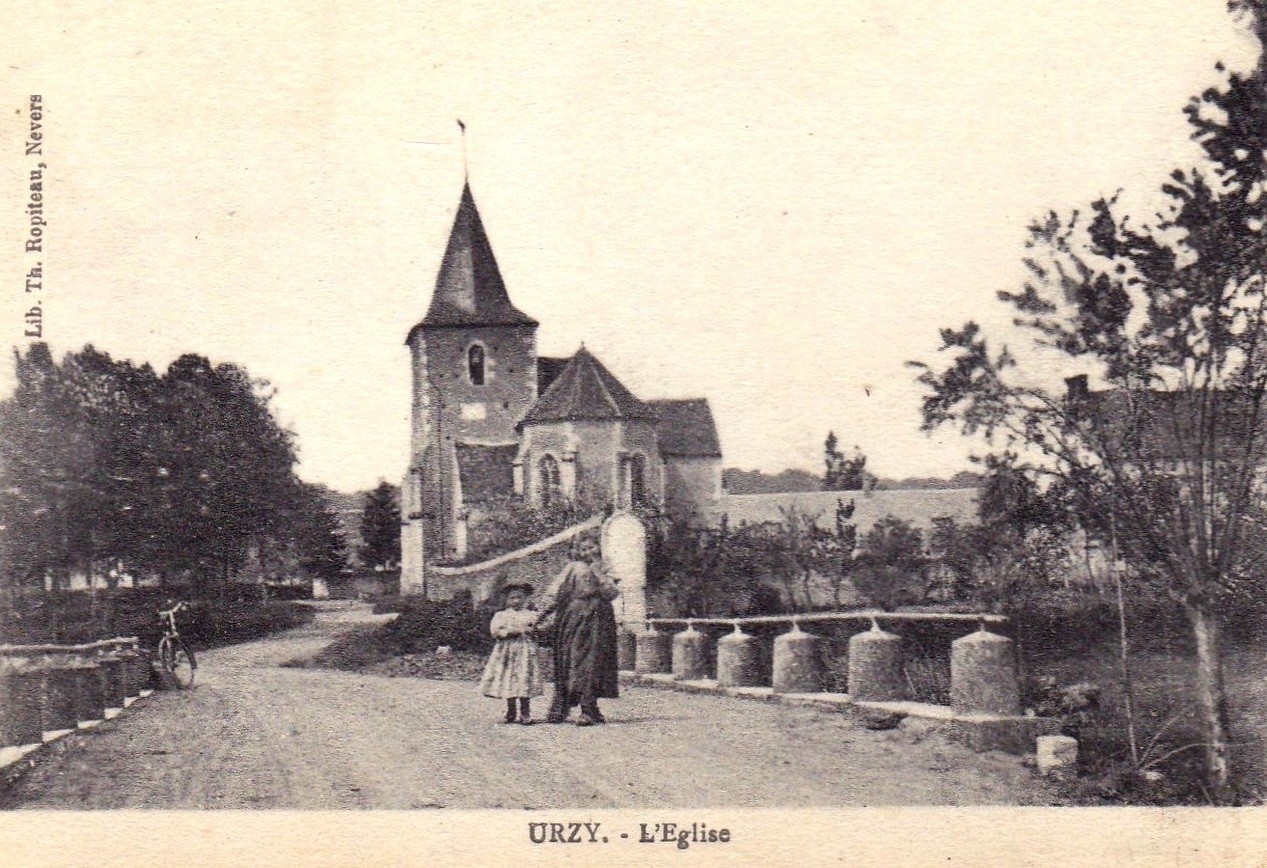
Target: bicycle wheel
<point x="182" y="664"/>
<point x="177" y="663"/>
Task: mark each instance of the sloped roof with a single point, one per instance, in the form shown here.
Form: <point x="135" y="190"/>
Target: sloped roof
<point x="548" y="370"/>
<point x="585" y="390"/>
<point x="686" y="428"/>
<point x="485" y="471"/>
<point x="469" y="290"/>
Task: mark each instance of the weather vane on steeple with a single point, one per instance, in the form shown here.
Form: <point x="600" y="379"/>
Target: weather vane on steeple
<point x="466" y="170"/>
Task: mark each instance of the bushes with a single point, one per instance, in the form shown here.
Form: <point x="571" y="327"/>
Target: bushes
<point x="421" y="628"/>
<point x="76" y="617"/>
<point x="424" y="625"/>
<point x="211" y="624"/>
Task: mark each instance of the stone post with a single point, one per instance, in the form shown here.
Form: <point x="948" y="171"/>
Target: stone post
<point x="90" y="692"/>
<point x="20" y="707"/>
<point x="797" y="664"/>
<point x="412" y="560"/>
<point x="116" y="687"/>
<point x="737" y="660"/>
<point x="690" y="654"/>
<point x="653" y="652"/>
<point x="623" y="540"/>
<point x="626" y="649"/>
<point x="132" y="683"/>
<point x="983" y="675"/>
<point x="57" y="696"/>
<point x="875" y="666"/>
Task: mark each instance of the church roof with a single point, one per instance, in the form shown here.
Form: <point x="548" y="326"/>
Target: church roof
<point x="585" y="390"/>
<point x="485" y="472"/>
<point x="548" y="370"/>
<point x="686" y="429"/>
<point x="469" y="288"/>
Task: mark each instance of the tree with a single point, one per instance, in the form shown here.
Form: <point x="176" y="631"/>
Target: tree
<point x="228" y="468"/>
<point x="831" y="550"/>
<point x="842" y="474"/>
<point x="890" y="565"/>
<point x="380" y="527"/>
<point x="1169" y="314"/>
<point x="103" y="462"/>
<point x="318" y="540"/>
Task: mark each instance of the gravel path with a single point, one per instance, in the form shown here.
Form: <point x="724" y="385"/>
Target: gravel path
<point x="255" y="735"/>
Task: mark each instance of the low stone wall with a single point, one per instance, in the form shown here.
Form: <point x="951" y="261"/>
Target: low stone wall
<point x="537" y="565"/>
<point x="537" y="569"/>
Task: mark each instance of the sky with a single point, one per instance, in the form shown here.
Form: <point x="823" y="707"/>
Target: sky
<point x="774" y="206"/>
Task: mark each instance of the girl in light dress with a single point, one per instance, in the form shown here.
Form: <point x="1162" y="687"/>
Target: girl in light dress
<point x="513" y="672"/>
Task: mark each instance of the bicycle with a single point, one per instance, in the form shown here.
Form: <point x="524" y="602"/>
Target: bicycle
<point x="174" y="656"/>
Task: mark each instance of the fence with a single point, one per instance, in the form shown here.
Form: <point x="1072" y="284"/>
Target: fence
<point x="983" y="694"/>
<point x="48" y="690"/>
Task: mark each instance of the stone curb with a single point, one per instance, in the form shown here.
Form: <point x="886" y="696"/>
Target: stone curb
<point x="981" y="732"/>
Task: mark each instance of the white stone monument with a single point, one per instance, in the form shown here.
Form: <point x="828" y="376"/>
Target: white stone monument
<point x="624" y="545"/>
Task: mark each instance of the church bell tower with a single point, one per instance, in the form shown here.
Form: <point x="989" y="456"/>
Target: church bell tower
<point x="473" y="359"/>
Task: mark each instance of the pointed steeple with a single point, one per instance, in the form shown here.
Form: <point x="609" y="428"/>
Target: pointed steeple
<point x="469" y="289"/>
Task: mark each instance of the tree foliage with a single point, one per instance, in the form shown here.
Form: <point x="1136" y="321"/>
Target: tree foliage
<point x="842" y="473"/>
<point x="752" y="568"/>
<point x="1164" y="459"/>
<point x="380" y="526"/>
<point x="104" y="463"/>
<point x="890" y="568"/>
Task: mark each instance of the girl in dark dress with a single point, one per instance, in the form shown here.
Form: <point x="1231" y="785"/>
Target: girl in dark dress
<point x="584" y="637"/>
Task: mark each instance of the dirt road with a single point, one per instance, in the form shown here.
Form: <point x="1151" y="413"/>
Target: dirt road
<point x="255" y="735"/>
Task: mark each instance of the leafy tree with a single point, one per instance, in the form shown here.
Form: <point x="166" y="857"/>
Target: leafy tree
<point x="724" y="570"/>
<point x="103" y="463"/>
<point x="842" y="474"/>
<point x="890" y="565"/>
<point x="1169" y="314"/>
<point x="42" y="458"/>
<point x="832" y="551"/>
<point x="380" y="526"/>
<point x="317" y="538"/>
<point x="228" y="476"/>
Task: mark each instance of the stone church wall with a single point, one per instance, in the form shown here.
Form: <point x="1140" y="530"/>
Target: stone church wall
<point x="692" y="489"/>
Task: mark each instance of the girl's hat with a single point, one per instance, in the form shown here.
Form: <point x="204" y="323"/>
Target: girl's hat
<point x="518" y="586"/>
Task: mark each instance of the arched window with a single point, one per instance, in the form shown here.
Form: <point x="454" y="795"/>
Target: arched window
<point x="475" y="364"/>
<point x="549" y="475"/>
<point x="637" y="480"/>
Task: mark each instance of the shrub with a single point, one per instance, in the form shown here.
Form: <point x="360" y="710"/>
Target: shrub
<point x="424" y="625"/>
<point x="72" y="617"/>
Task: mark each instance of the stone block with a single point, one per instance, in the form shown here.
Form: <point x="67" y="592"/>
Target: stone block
<point x="690" y="655"/>
<point x="1008" y="733"/>
<point x="1057" y="753"/>
<point x="875" y="667"/>
<point x="798" y="665"/>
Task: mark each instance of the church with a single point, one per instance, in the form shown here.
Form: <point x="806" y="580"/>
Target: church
<point x="492" y="420"/>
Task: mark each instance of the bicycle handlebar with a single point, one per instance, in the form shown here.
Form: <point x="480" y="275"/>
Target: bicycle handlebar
<point x="179" y="607"/>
